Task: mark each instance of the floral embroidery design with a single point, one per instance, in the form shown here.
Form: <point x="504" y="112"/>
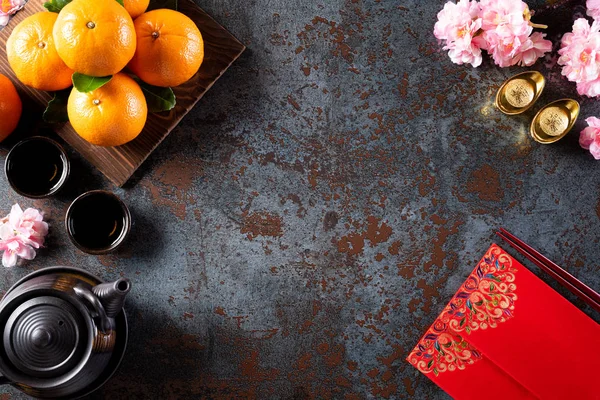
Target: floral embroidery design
<point x="485" y="299"/>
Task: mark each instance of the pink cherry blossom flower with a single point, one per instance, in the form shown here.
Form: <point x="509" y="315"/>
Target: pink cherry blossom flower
<point x="517" y="50"/>
<point x="466" y="54"/>
<point x="593" y="8"/>
<point x="454" y="17"/>
<point x="7" y="8"/>
<point x="532" y="48"/>
<point x="580" y="56"/>
<point x="508" y="33"/>
<point x="13" y="247"/>
<point x="502" y="48"/>
<point x="460" y="25"/>
<point x="32" y="223"/>
<point x="502" y="27"/>
<point x="589" y="138"/>
<point x="590" y="89"/>
<point x="506" y="17"/>
<point x="21" y="232"/>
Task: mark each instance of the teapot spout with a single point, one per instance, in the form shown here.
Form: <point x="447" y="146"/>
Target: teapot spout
<point x="112" y="295"/>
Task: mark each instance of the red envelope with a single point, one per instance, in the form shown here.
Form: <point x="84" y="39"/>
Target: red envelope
<point x="507" y="335"/>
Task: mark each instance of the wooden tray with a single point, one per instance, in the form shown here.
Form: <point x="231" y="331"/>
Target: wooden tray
<point x="221" y="49"/>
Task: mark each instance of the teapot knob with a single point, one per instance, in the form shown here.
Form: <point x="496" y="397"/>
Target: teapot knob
<point x="40" y="337"/>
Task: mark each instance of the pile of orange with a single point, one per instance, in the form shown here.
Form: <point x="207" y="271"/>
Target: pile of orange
<point x="100" y="38"/>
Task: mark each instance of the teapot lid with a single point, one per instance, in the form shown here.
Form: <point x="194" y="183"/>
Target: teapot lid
<point x="45" y="337"/>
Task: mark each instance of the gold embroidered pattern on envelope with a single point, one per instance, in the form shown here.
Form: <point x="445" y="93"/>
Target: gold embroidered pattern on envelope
<point x="485" y="299"/>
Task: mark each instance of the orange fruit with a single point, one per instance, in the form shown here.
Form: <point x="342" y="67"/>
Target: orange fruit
<point x="32" y="56"/>
<point x="169" y="49"/>
<point x="135" y="8"/>
<point x="111" y="115"/>
<point x="94" y="37"/>
<point x="10" y="107"/>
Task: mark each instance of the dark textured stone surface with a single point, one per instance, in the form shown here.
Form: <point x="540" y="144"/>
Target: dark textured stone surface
<point x="305" y="224"/>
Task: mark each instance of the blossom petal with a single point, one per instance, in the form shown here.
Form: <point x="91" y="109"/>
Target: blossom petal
<point x="15" y="215"/>
<point x="32" y="214"/>
<point x="595" y="150"/>
<point x="593" y="122"/>
<point x="5" y="232"/>
<point x="40" y="227"/>
<point x="9" y="259"/>
<point x="28" y="241"/>
<point x="593" y="8"/>
<point x="586" y="137"/>
<point x="26" y="252"/>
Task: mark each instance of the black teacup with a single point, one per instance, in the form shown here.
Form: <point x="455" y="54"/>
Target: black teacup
<point x="97" y="222"/>
<point x="37" y="167"/>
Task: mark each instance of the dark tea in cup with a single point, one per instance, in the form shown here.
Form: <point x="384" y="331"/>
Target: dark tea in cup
<point x="97" y="222"/>
<point x="36" y="167"/>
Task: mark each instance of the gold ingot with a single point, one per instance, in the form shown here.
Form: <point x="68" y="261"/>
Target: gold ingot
<point x="554" y="121"/>
<point x="519" y="92"/>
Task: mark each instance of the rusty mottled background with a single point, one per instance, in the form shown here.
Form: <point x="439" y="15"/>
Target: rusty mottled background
<point x="307" y="221"/>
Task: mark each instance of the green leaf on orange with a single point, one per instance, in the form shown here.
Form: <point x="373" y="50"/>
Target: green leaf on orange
<point x="158" y="98"/>
<point x="56" y="111"/>
<point x="121" y="2"/>
<point x="56" y="5"/>
<point x="84" y="83"/>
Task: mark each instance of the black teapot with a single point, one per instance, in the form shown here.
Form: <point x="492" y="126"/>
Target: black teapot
<point x="64" y="332"/>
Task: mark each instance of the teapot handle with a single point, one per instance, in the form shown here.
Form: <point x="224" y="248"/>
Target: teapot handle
<point x="105" y="323"/>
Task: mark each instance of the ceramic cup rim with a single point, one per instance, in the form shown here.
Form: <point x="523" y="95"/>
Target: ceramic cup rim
<point x="65" y="163"/>
<point x="122" y="236"/>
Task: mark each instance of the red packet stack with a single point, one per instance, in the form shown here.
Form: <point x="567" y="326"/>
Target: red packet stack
<point x="507" y="335"/>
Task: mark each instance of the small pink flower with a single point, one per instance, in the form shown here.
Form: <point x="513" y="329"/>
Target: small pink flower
<point x="507" y="17"/>
<point x="589" y="138"/>
<point x="580" y="56"/>
<point x="502" y="27"/>
<point x="14" y="247"/>
<point x="534" y="47"/>
<point x="7" y="8"/>
<point x="453" y="18"/>
<point x="590" y="88"/>
<point x="593" y="8"/>
<point x="466" y="54"/>
<point x="31" y="222"/>
<point x="508" y="33"/>
<point x="20" y="234"/>
<point x="517" y="50"/>
<point x="503" y="48"/>
<point x="459" y="25"/>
